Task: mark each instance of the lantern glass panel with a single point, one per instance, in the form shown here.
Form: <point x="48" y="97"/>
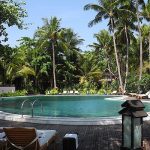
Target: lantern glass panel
<point x="137" y="133"/>
<point x="127" y="131"/>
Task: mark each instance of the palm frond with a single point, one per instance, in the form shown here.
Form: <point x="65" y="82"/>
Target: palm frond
<point x="93" y="7"/>
<point x="26" y="71"/>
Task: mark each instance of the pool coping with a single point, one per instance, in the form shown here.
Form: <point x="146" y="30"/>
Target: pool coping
<point x="63" y="120"/>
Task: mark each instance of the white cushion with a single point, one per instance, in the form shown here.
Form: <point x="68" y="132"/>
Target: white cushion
<point x="2" y="135"/>
<point x="45" y="135"/>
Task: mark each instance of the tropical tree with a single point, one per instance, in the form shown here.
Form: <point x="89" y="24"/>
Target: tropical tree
<point x="11" y="13"/>
<point x="48" y="36"/>
<point x="125" y="27"/>
<point x="91" y="71"/>
<point x="108" y="10"/>
<point x="137" y="3"/>
<point x="71" y="56"/>
<point x="103" y="47"/>
<point x="145" y="29"/>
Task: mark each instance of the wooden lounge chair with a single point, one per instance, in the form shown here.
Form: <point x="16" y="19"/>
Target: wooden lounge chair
<point x="29" y="138"/>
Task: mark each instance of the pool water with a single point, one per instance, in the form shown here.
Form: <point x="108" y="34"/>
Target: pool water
<point x="66" y="106"/>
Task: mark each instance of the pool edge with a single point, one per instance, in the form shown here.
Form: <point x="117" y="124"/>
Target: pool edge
<point x="63" y="120"/>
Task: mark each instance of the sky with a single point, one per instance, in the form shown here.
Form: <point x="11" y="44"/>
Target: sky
<point x="70" y="12"/>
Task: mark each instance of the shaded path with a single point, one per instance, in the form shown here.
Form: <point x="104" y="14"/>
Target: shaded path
<point x="99" y="137"/>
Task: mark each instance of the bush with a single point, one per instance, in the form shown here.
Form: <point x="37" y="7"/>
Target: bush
<point x="102" y="92"/>
<point x="53" y="91"/>
<point x="93" y="91"/>
<point x="133" y="84"/>
<point x="16" y="93"/>
<point x="145" y="83"/>
<point x="84" y="91"/>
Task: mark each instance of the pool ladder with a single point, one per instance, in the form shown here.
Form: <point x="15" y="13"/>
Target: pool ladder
<point x="32" y="106"/>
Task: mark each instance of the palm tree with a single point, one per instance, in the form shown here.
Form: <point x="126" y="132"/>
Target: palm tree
<point x="108" y="10"/>
<point x="125" y="27"/>
<point x="104" y="46"/>
<point x="145" y="29"/>
<point x="70" y="52"/>
<point x="48" y="36"/>
<point x="146" y="14"/>
<point x="138" y="2"/>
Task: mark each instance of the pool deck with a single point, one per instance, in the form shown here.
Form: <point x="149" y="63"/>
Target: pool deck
<point x="96" y="137"/>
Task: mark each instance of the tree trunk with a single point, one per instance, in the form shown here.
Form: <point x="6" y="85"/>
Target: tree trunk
<point x="127" y="58"/>
<point x="36" y="77"/>
<point x="54" y="66"/>
<point x="140" y="38"/>
<point x="149" y="49"/>
<point x="116" y="56"/>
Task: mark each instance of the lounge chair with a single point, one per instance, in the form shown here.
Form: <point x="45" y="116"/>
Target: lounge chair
<point x="64" y="92"/>
<point x="132" y="94"/>
<point x="76" y="92"/>
<point x="143" y="96"/>
<point x="114" y="93"/>
<point x="71" y="92"/>
<point x="29" y="138"/>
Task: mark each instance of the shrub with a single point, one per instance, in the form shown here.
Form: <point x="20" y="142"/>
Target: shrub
<point x="102" y="92"/>
<point x="93" y="91"/>
<point x="53" y="91"/>
<point x="145" y="83"/>
<point x="16" y="93"/>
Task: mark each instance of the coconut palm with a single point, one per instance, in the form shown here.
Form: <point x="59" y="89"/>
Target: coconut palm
<point x="146" y="14"/>
<point x="137" y="3"/>
<point x="70" y="55"/>
<point x="104" y="46"/>
<point x="48" y="36"/>
<point x="145" y="29"/>
<point x="125" y="27"/>
<point x="108" y="10"/>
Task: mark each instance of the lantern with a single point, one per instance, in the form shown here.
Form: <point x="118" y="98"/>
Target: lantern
<point x="132" y="120"/>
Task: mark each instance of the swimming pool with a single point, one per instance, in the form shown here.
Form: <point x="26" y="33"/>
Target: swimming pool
<point x="66" y="106"/>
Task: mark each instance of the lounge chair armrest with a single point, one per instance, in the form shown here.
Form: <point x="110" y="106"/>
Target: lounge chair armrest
<point x="20" y="147"/>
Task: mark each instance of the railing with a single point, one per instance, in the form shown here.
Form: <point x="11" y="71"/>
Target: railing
<point x="22" y="105"/>
<point x="32" y="106"/>
<point x="1" y="101"/>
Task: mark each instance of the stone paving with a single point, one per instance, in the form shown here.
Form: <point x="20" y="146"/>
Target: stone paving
<point x="100" y="137"/>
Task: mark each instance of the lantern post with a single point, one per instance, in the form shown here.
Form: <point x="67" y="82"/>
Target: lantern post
<point x="132" y="121"/>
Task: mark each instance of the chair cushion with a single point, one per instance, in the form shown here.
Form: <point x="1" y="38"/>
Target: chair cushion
<point x="2" y="137"/>
<point x="45" y="135"/>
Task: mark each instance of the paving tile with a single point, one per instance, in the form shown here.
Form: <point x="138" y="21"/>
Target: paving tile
<point x="99" y="137"/>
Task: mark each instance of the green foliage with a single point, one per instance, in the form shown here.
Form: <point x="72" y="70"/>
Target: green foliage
<point x="92" y="91"/>
<point x="11" y="13"/>
<point x="145" y="83"/>
<point x="53" y="91"/>
<point x="132" y="84"/>
<point x="84" y="91"/>
<point x="114" y="85"/>
<point x="16" y="93"/>
<point x="30" y="65"/>
<point x="102" y="92"/>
